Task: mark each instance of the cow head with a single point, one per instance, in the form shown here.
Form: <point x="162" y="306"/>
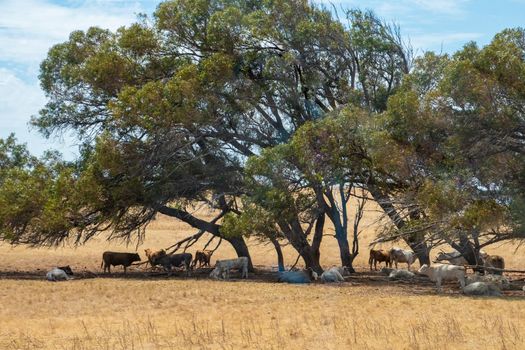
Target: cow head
<point x="483" y="254"/>
<point x="135" y="257"/>
<point x="216" y="271"/>
<point x="66" y="269"/>
<point x="423" y="269"/>
<point x="312" y="274"/>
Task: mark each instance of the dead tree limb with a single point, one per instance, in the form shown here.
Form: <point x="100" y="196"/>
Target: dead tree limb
<point x="191" y="240"/>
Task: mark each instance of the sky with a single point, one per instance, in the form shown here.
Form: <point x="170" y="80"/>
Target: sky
<point x="28" y="28"/>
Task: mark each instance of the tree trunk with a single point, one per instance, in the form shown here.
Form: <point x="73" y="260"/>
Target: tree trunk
<point x="420" y="248"/>
<point x="279" y="251"/>
<point x="344" y="253"/>
<point x="295" y="235"/>
<point x="469" y="252"/>
<point x="318" y="237"/>
<point x="415" y="241"/>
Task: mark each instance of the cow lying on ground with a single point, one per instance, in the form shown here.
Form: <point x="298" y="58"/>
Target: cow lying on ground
<point x="203" y="257"/>
<point x="379" y="256"/>
<point x="492" y="261"/>
<point x="400" y="275"/>
<point x="343" y="270"/>
<point x="59" y="274"/>
<point x="154" y="256"/>
<point x="332" y="275"/>
<point x="482" y="288"/>
<point x="175" y="260"/>
<point x="223" y="267"/>
<point x="442" y="272"/>
<point x="116" y="258"/>
<point x="455" y="258"/>
<point x="297" y="277"/>
<point x="402" y="256"/>
<point x="501" y="281"/>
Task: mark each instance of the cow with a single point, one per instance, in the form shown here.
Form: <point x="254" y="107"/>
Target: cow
<point x="175" y="260"/>
<point x="332" y="275"/>
<point x="403" y="256"/>
<point x="492" y="261"/>
<point x="297" y="277"/>
<point x="379" y="256"/>
<point x="116" y="258"/>
<point x="455" y="258"/>
<point x="400" y="275"/>
<point x="482" y="288"/>
<point x="203" y="257"/>
<point x="154" y="256"/>
<point x="58" y="274"/>
<point x="501" y="281"/>
<point x="343" y="270"/>
<point x="223" y="267"/>
<point x="443" y="272"/>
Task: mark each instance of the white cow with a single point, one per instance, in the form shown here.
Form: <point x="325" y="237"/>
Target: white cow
<point x="443" y="272"/>
<point x="223" y="267"/>
<point x="332" y="275"/>
<point x="482" y="288"/>
<point x="57" y="274"/>
<point x="455" y="258"/>
<point x="400" y="275"/>
<point x="501" y="281"/>
<point x="403" y="256"/>
<point x="343" y="270"/>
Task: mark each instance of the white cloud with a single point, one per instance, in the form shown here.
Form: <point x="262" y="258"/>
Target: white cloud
<point x="29" y="28"/>
<point x="438" y="41"/>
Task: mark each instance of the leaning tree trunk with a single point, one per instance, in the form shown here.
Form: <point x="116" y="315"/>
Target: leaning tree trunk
<point x="297" y="238"/>
<point x="237" y="243"/>
<point x="279" y="251"/>
<point x="415" y="242"/>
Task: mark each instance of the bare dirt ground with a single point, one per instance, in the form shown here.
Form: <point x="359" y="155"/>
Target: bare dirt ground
<point x="148" y="310"/>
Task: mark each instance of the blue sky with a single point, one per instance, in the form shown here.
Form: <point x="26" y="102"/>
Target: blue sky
<point x="28" y="28"/>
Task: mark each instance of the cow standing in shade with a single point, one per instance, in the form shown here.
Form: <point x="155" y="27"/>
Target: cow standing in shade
<point x="175" y="260"/>
<point x="116" y="258"/>
<point x="403" y="256"/>
<point x="223" y="267"/>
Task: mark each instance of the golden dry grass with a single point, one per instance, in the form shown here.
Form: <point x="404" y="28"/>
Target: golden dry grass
<point x="149" y="313"/>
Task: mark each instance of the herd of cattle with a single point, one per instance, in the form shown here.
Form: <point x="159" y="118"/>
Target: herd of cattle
<point x="490" y="283"/>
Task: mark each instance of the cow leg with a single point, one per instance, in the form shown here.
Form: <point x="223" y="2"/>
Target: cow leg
<point x="125" y="269"/>
<point x="461" y="280"/>
<point x="438" y="284"/>
<point x="408" y="266"/>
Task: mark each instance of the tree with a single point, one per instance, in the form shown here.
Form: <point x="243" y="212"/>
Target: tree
<point x="453" y="133"/>
<point x="169" y="109"/>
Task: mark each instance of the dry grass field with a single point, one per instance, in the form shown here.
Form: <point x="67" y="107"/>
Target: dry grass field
<point x="140" y="311"/>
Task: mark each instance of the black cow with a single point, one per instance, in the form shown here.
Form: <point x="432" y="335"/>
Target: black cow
<point x="175" y="260"/>
<point x="66" y="269"/>
<point x="114" y="258"/>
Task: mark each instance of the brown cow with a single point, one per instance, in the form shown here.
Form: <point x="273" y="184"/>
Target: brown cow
<point x="153" y="257"/>
<point x="379" y="255"/>
<point x="203" y="257"/>
<point x="115" y="258"/>
<point x="492" y="261"/>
